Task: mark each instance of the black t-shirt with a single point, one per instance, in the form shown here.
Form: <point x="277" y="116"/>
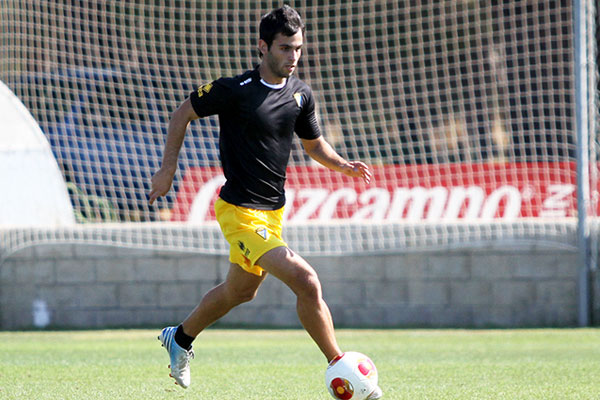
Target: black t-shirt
<point x="257" y="124"/>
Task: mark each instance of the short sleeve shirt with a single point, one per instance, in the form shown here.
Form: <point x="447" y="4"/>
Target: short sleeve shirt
<point x="257" y="124"/>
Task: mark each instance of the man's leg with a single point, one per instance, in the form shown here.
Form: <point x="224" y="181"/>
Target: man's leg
<point x="313" y="312"/>
<point x="239" y="287"/>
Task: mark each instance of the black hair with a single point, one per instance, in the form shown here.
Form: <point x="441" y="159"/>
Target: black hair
<point x="284" y="20"/>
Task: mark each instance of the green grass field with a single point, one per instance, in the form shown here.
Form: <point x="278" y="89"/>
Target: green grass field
<point x="285" y="364"/>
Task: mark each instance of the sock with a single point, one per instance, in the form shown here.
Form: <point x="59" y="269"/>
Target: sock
<point x="182" y="339"/>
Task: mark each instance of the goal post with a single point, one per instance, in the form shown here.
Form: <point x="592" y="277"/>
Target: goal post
<point x="585" y="71"/>
<point x="465" y="109"/>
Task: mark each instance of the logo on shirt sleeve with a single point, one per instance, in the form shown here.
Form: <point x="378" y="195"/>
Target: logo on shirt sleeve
<point x="204" y="89"/>
<point x="299" y="99"/>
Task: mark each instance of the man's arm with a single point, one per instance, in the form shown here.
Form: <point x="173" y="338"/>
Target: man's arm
<point x="322" y="152"/>
<point x="163" y="178"/>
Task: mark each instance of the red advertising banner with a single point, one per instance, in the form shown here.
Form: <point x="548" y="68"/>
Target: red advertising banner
<point x="405" y="193"/>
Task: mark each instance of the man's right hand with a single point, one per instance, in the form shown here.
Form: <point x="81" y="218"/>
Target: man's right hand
<point x="161" y="184"/>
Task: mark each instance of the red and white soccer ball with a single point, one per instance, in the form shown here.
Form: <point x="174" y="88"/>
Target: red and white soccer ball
<point x="351" y="376"/>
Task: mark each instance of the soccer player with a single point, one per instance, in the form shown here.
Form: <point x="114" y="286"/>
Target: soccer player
<point x="259" y="111"/>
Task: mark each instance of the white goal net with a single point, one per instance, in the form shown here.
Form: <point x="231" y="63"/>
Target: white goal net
<point x="465" y="110"/>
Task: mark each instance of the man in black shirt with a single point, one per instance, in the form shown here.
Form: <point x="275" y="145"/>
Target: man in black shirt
<point x="259" y="111"/>
<point x="257" y="123"/>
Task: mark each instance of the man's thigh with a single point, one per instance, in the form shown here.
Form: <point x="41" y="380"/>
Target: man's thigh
<point x="287" y="266"/>
<point x="241" y="281"/>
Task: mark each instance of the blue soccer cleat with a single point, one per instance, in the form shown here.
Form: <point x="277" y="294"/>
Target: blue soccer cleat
<point x="180" y="357"/>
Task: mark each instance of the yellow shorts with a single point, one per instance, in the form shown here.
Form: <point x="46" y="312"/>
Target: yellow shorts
<point x="250" y="233"/>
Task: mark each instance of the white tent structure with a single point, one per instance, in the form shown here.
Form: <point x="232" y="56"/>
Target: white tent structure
<point x="33" y="191"/>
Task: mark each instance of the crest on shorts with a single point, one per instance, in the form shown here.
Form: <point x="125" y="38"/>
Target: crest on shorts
<point x="298" y="98"/>
<point x="262" y="232"/>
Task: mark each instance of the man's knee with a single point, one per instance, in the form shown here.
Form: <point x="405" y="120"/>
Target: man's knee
<point x="308" y="285"/>
<point x="294" y="271"/>
<point x="239" y="296"/>
<point x="241" y="286"/>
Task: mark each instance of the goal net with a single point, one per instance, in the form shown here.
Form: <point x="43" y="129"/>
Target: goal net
<point x="465" y="110"/>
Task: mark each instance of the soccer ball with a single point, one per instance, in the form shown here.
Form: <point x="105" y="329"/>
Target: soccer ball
<point x="351" y="376"/>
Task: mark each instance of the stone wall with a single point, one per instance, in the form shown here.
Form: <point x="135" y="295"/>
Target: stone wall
<point x="90" y="286"/>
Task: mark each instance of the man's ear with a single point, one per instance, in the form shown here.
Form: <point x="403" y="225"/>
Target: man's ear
<point x="263" y="47"/>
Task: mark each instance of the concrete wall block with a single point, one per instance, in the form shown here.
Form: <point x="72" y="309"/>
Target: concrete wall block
<point x="129" y="252"/>
<point x="115" y="270"/>
<point x="98" y="296"/>
<point x="360" y="268"/>
<point x="407" y="315"/>
<point x="75" y="271"/>
<point x="286" y="296"/>
<point x="492" y="266"/>
<point x="26" y="254"/>
<point x="20" y="317"/>
<point x="561" y="315"/>
<point x="223" y="267"/>
<point x="138" y="295"/>
<point x="555" y="292"/>
<point x="385" y="293"/>
<point x="566" y="266"/>
<point x="7" y="271"/>
<point x="9" y="296"/>
<point x="16" y="296"/>
<point x="178" y="295"/>
<point x="270" y="293"/>
<point x="428" y="292"/>
<point x="429" y="316"/>
<point x="407" y="266"/>
<point x="539" y="266"/>
<point x="346" y="293"/>
<point x="82" y="250"/>
<point x="354" y="316"/>
<point x="73" y="297"/>
<point x="7" y="319"/>
<point x="470" y="293"/>
<point x="328" y="268"/>
<point x="275" y="316"/>
<point x="339" y="315"/>
<point x="57" y="251"/>
<point x="75" y="318"/>
<point x="453" y="316"/>
<point x="251" y="315"/>
<point x="159" y="269"/>
<point x="448" y="267"/>
<point x="545" y="316"/>
<point x="519" y="293"/>
<point x="525" y="317"/>
<point x="61" y="296"/>
<point x="160" y="317"/>
<point x="116" y="317"/>
<point x="198" y="268"/>
<point x="492" y="316"/>
<point x="41" y="271"/>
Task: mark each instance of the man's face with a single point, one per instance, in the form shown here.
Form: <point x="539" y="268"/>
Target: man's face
<point x="282" y="58"/>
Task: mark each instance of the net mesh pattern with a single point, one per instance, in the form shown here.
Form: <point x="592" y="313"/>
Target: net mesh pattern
<point x="399" y="84"/>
